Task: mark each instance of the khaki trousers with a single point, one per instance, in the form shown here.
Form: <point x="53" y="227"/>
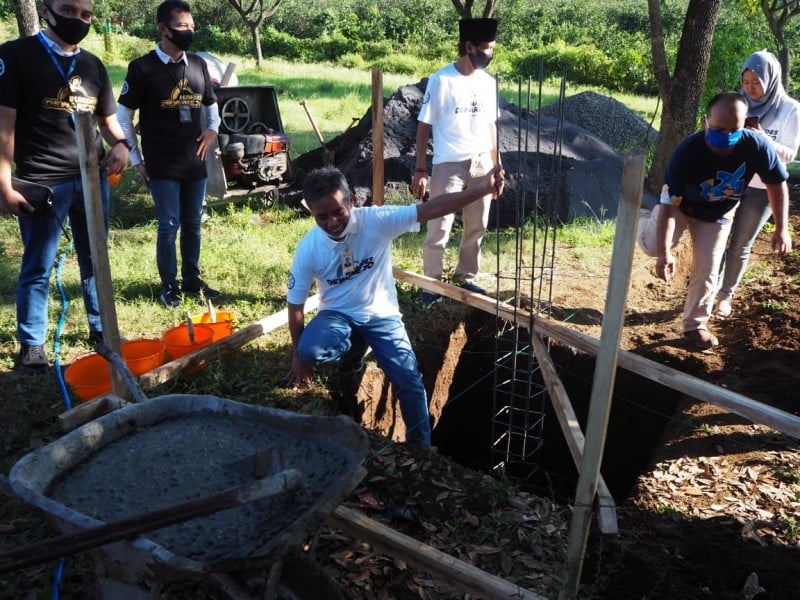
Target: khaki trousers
<point x="455" y="177"/>
<point x="708" y="246"/>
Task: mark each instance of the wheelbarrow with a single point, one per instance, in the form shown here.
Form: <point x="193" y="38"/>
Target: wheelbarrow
<point x="180" y="449"/>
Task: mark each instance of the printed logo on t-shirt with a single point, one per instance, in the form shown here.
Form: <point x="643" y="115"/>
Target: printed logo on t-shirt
<point x="72" y="98"/>
<point x="473" y="108"/>
<point x="726" y="185"/>
<point x="291" y="280"/>
<point x="183" y="93"/>
<point x="362" y="265"/>
<point x="2" y="67"/>
<point x="125" y="88"/>
<point x="426" y="98"/>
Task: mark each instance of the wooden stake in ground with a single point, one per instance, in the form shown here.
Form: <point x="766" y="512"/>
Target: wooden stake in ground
<point x="377" y="137"/>
<point x="605" y="367"/>
<point x="95" y="221"/>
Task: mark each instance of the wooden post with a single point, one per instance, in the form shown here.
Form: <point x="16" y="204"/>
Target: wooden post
<point x="605" y="367"/>
<point x="377" y="137"/>
<point x="95" y="222"/>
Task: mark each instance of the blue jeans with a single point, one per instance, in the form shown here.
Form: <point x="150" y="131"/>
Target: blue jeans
<point x="179" y="204"/>
<point x="332" y="336"/>
<point x="753" y="212"/>
<point x="40" y="239"/>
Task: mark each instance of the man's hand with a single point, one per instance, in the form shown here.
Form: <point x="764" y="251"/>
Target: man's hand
<point x="142" y="171"/>
<point x="205" y="140"/>
<point x="14" y="203"/>
<point x="116" y="159"/>
<point x="493" y="181"/>
<point x="782" y="242"/>
<point x="419" y="184"/>
<point x="299" y="374"/>
<point x="665" y="267"/>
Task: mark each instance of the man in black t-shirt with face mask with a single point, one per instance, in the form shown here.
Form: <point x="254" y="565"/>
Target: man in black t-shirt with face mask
<point x="44" y="80"/>
<point x="172" y="91"/>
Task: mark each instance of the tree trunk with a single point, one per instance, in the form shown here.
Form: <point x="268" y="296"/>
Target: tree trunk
<point x="680" y="93"/>
<point x="27" y="17"/>
<point x="255" y="30"/>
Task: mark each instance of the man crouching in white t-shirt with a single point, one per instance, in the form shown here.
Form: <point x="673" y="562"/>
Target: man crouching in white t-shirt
<point x="349" y="254"/>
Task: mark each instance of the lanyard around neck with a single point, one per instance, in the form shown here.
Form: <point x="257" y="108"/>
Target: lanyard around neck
<point x="65" y="75"/>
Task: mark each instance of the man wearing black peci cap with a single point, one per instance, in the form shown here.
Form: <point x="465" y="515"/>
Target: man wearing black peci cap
<point x="460" y="110"/>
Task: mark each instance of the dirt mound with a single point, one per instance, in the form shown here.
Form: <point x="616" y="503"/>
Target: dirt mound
<point x="571" y="168"/>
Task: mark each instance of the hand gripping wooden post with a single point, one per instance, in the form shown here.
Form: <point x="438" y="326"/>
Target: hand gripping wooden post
<point x="605" y="367"/>
<point x="95" y="222"/>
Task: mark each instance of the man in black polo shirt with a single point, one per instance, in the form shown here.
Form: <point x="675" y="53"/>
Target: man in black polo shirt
<point x="172" y="91"/>
<point x="44" y="80"/>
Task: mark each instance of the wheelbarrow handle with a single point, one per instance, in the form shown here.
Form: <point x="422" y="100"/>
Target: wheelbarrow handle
<point x="137" y="395"/>
<point x="26" y="556"/>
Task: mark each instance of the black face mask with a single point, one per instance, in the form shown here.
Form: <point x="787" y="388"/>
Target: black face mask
<point x="182" y="38"/>
<point x="481" y="59"/>
<point x="69" y="29"/>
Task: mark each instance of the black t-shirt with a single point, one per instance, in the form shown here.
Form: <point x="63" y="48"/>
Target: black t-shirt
<point x="45" y="146"/>
<point x="710" y="184"/>
<point x="158" y="90"/>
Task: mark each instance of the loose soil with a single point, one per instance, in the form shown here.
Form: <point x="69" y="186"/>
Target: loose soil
<point x="713" y="514"/>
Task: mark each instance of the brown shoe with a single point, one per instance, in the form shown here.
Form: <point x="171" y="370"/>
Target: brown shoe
<point x="701" y="338"/>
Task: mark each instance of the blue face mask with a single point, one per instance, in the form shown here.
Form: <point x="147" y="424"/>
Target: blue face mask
<point x="722" y="140"/>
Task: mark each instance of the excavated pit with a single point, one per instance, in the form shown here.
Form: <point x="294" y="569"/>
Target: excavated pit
<point x="457" y="361"/>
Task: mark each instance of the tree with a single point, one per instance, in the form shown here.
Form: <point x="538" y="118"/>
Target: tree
<point x="778" y="13"/>
<point x="464" y="9"/>
<point x="254" y="14"/>
<point x="27" y="17"/>
<point x="680" y="93"/>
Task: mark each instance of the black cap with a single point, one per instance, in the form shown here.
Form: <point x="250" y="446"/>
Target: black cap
<point x="477" y="31"/>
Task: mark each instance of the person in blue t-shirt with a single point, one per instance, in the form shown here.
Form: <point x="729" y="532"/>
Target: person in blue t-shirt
<point x="705" y="179"/>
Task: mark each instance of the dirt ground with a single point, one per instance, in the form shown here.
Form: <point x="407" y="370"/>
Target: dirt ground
<point x="713" y="512"/>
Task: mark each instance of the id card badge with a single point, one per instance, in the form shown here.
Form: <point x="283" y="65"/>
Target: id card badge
<point x="184" y="113"/>
<point x="348" y="265"/>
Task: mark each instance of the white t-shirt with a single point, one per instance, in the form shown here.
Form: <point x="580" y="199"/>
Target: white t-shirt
<point x="460" y="109"/>
<point x="783" y="128"/>
<point x="354" y="276"/>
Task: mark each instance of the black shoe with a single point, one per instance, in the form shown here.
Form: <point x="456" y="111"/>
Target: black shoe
<point x="471" y="286"/>
<point x="429" y="299"/>
<point x="170" y="295"/>
<point x="201" y="288"/>
<point x="33" y="358"/>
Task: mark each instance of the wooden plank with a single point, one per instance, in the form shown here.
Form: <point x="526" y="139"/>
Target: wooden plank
<point x="90" y="410"/>
<point x="605" y="370"/>
<point x="606" y="507"/>
<point x="377" y="137"/>
<point x="436" y="563"/>
<point x="86" y="539"/>
<point x="95" y="221"/>
<point x="738" y="404"/>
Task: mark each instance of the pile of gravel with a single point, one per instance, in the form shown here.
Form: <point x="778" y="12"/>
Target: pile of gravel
<point x="607" y="118"/>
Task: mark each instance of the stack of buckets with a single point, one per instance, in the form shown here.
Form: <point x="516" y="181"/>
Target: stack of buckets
<point x="89" y="376"/>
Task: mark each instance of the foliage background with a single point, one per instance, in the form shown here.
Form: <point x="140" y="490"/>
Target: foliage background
<point x="604" y="42"/>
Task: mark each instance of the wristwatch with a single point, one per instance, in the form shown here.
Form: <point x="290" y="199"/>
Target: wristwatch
<point x="124" y="142"/>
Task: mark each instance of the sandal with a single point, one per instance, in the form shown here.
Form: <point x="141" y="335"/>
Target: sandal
<point x="723" y="308"/>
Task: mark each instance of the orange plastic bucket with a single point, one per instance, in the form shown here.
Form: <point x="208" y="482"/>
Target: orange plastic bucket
<point x="223" y="326"/>
<point x="89" y="376"/>
<point x="142" y="356"/>
<point x="178" y="342"/>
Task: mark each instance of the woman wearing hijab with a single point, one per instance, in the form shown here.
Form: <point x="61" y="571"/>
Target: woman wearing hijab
<point x="773" y="113"/>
